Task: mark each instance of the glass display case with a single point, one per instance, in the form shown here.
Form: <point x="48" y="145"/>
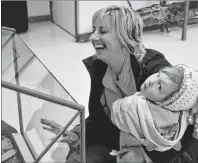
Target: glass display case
<point x="30" y="92"/>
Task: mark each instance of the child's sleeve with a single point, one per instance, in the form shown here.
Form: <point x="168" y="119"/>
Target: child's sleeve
<point x="125" y="116"/>
<point x="116" y="112"/>
<point x="119" y="109"/>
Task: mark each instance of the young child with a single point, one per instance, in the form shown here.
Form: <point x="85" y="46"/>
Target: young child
<point x="155" y="117"/>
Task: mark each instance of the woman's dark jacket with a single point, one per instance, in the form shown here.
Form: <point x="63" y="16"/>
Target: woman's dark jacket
<point x="99" y="128"/>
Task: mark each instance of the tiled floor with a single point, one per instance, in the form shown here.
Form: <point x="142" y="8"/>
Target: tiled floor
<point x="63" y="57"/>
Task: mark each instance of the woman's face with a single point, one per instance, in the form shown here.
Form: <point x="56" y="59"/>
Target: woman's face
<point x="6" y="144"/>
<point x="158" y="87"/>
<point x="104" y="40"/>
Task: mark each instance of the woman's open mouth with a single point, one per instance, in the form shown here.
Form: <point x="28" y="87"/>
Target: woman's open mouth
<point x="99" y="47"/>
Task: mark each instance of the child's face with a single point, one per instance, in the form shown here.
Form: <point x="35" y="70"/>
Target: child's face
<point x="158" y="87"/>
<point x="6" y="144"/>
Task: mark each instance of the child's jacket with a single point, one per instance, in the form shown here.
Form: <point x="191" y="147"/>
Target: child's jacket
<point x="147" y="124"/>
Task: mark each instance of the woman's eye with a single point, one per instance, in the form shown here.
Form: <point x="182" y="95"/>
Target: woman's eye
<point x="159" y="86"/>
<point x="102" y="32"/>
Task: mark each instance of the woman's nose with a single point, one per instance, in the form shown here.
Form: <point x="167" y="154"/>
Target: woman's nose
<point x="94" y="36"/>
<point x="91" y="38"/>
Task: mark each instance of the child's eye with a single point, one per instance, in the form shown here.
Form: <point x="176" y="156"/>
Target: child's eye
<point x="159" y="86"/>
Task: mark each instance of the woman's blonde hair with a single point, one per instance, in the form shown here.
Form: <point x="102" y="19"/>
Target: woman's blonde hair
<point x="128" y="26"/>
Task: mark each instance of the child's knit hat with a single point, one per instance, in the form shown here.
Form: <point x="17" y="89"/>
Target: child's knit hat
<point x="186" y="97"/>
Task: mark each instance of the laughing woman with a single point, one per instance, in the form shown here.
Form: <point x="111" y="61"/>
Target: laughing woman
<point x="119" y="67"/>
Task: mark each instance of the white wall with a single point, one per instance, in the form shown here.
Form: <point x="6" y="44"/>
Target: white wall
<point x="63" y="15"/>
<point x="38" y="8"/>
<point x="87" y="9"/>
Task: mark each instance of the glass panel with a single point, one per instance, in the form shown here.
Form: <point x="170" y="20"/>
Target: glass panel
<point x="10" y="108"/>
<point x="6" y="34"/>
<point x="7" y="56"/>
<point x="29" y="70"/>
<point x="25" y="55"/>
<point x="21" y="67"/>
<point x="38" y="78"/>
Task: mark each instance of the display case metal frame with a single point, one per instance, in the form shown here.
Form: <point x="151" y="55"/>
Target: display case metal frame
<point x="23" y="90"/>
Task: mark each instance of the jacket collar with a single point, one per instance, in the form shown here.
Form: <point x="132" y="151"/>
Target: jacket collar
<point x="90" y="63"/>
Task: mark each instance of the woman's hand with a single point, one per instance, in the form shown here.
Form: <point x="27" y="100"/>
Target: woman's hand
<point x="68" y="137"/>
<point x="51" y="126"/>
